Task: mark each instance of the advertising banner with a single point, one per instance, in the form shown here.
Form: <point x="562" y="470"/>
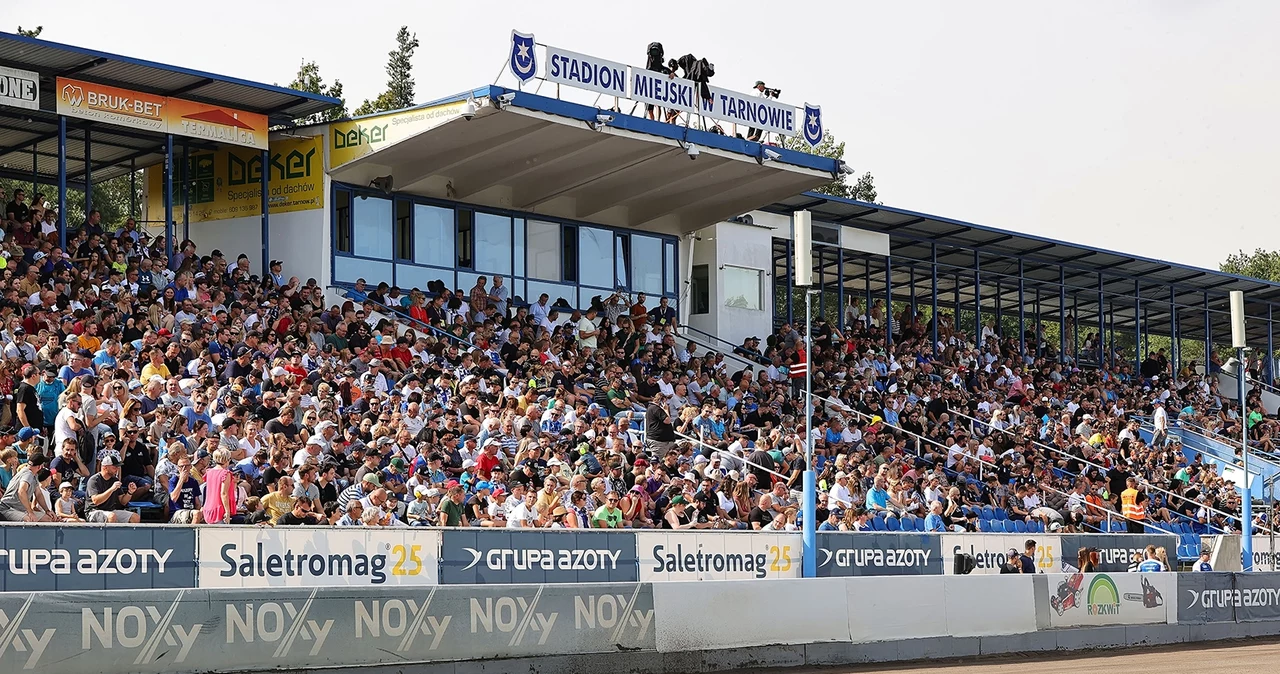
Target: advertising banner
<point x="317" y="557"/>
<point x="19" y="88"/>
<point x="1207" y="598"/>
<point x="1116" y="551"/>
<point x="991" y="551"/>
<point x="1256" y="596"/>
<point x="881" y="554"/>
<point x="161" y="114"/>
<point x="513" y="556"/>
<point x="241" y="630"/>
<point x="1092" y="599"/>
<point x="356" y="138"/>
<point x="47" y="558"/>
<point x="1265" y="551"/>
<point x="717" y="556"/>
<point x="228" y="183"/>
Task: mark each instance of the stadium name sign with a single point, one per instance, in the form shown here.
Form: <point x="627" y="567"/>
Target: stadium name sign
<point x="611" y="78"/>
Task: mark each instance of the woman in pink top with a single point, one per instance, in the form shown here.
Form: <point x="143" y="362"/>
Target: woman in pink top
<point x="219" y="490"/>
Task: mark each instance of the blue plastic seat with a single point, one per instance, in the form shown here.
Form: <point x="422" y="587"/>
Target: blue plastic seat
<point x="984" y="526"/>
<point x="891" y="523"/>
<point x="997" y="526"/>
<point x="1119" y="527"/>
<point x="1036" y="527"/>
<point x="878" y="523"/>
<point x="1020" y="526"/>
<point x="920" y="524"/>
<point x="1011" y="526"/>
<point x="1000" y="514"/>
<point x="988" y="512"/>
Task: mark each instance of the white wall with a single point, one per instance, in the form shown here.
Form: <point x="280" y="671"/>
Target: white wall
<point x="301" y="240"/>
<point x="749" y="247"/>
<point x="233" y="237"/>
<point x="704" y="252"/>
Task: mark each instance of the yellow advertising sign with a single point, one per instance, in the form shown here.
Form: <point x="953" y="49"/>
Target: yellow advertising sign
<point x="138" y="110"/>
<point x="228" y="183"/>
<point x="354" y="139"/>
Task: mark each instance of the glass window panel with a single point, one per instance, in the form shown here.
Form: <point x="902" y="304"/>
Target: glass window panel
<point x="493" y="243"/>
<point x="669" y="269"/>
<point x="646" y="264"/>
<point x="700" y="290"/>
<point x="467" y="281"/>
<point x="410" y="276"/>
<point x="433" y="230"/>
<point x="371" y="221"/>
<point x="403" y="230"/>
<point x="569" y="239"/>
<point x="517" y="228"/>
<point x="595" y="257"/>
<point x="554" y="292"/>
<point x="622" y="261"/>
<point x="543" y="246"/>
<point x="742" y="288"/>
<point x="466" y="238"/>
<point x="342" y="208"/>
<point x="348" y="269"/>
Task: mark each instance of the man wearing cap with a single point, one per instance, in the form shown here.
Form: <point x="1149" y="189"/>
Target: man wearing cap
<point x="26" y="402"/>
<point x="360" y="489"/>
<point x="108" y="496"/>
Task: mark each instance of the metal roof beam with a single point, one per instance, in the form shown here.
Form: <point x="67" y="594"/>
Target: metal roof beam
<point x="92" y="63"/>
<point x="900" y="225"/>
<point x="202" y="82"/>
<point x="97" y="166"/>
<point x="959" y="230"/>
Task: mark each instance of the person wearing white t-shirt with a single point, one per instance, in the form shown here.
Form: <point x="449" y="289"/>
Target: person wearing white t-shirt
<point x="839" y="495"/>
<point x="587" y="330"/>
<point x="523" y="515"/>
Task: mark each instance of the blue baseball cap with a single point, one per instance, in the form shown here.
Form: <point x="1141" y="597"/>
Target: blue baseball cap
<point x="28" y="433"/>
<point x="484" y="484"/>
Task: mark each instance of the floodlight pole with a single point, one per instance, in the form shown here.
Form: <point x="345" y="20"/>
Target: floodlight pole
<point x="809" y="534"/>
<point x="1246" y="512"/>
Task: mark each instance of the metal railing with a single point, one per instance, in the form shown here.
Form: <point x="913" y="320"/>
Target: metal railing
<point x="398" y="315"/>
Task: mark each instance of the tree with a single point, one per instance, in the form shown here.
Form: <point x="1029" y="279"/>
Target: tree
<point x="111" y="197"/>
<point x="864" y="189"/>
<point x="1260" y="264"/>
<point x="399" y="93"/>
<point x="33" y="32"/>
<point x="309" y="79"/>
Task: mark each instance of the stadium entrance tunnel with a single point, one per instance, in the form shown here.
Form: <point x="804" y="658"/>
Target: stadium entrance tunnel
<point x="558" y="159"/>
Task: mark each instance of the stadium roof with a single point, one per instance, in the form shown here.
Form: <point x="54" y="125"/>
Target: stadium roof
<point x="912" y="235"/>
<point x="553" y="157"/>
<point x="114" y="147"/>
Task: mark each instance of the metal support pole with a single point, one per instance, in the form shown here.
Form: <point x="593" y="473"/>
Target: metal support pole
<point x="133" y="188"/>
<point x="186" y="191"/>
<point x="933" y="296"/>
<point x="1175" y="354"/>
<point x="888" y="301"/>
<point x="999" y="309"/>
<point x="1137" y="327"/>
<point x="1271" y="351"/>
<point x="62" y="182"/>
<point x="266" y="215"/>
<point x="1062" y="314"/>
<point x="1246" y="515"/>
<point x="840" y="312"/>
<point x="1102" y="324"/>
<point x="977" y="300"/>
<point x="88" y="174"/>
<point x="1039" y="326"/>
<point x="912" y="275"/>
<point x="1075" y="326"/>
<point x="1022" y="313"/>
<point x="168" y="197"/>
<point x="35" y="172"/>
<point x="866" y="279"/>
<point x="790" y="282"/>
<point x="809" y="536"/>
<point x="1208" y="335"/>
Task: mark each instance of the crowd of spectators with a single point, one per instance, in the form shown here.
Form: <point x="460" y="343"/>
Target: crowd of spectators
<point x="189" y="389"/>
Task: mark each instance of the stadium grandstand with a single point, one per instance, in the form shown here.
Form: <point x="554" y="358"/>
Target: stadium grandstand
<point x="504" y="309"/>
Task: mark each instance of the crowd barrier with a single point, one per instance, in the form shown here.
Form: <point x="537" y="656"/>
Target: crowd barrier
<point x="71" y="558"/>
<point x="677" y="626"/>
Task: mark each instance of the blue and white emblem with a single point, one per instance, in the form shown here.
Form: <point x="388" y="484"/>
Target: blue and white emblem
<point x="812" y="124"/>
<point x="524" y="64"/>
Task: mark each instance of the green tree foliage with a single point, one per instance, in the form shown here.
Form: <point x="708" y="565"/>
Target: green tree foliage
<point x="109" y="196"/>
<point x="863" y="189"/>
<point x="399" y="93"/>
<point x="1260" y="264"/>
<point x="30" y="32"/>
<point x="308" y="79"/>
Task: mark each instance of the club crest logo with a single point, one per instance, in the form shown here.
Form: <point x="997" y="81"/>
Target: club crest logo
<point x="812" y="124"/>
<point x="524" y="64"/>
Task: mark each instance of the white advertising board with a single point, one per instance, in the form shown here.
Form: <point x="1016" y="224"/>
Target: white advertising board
<point x="717" y="556"/>
<point x="1092" y="599"/>
<point x="317" y="557"/>
<point x="990" y="551"/>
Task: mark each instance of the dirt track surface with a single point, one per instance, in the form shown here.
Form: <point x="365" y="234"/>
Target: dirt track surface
<point x="1223" y="657"/>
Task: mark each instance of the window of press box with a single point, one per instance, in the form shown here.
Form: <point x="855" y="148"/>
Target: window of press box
<point x="342" y="221"/>
<point x="371" y="223"/>
<point x="700" y="290"/>
<point x="742" y="288"/>
<point x="433" y="233"/>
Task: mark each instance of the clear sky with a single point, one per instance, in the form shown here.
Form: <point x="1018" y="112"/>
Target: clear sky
<point x="1149" y="127"/>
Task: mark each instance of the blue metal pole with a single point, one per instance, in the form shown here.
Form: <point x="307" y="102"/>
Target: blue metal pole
<point x="790" y="282"/>
<point x="1208" y="335"/>
<point x="912" y="271"/>
<point x="1174" y="351"/>
<point x="840" y="312"/>
<point x="888" y="301"/>
<point x="266" y="215"/>
<point x="1137" y="327"/>
<point x="62" y="182"/>
<point x="1102" y="324"/>
<point x="168" y="197"/>
<point x="977" y="300"/>
<point x="1062" y="314"/>
<point x="1271" y="351"/>
<point x="866" y="280"/>
<point x="933" y="296"/>
<point x="1022" y="313"/>
<point x="88" y="173"/>
<point x="35" y="171"/>
<point x="1039" y="325"/>
<point x="1246" y="524"/>
<point x="1075" y="326"/>
<point x="808" y="532"/>
<point x="186" y="191"/>
<point x="133" y="188"/>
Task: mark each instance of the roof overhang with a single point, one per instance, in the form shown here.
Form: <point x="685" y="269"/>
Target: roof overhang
<point x="554" y="158"/>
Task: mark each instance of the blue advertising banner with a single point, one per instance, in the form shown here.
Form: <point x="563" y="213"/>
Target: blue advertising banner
<point x="72" y="558"/>
<point x="843" y="554"/>
<point x="512" y="556"/>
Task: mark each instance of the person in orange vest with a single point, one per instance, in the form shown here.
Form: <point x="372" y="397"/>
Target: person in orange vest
<point x="796" y="370"/>
<point x="1132" y="506"/>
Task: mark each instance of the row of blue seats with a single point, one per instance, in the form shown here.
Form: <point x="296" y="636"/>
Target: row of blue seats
<point x="1010" y="527"/>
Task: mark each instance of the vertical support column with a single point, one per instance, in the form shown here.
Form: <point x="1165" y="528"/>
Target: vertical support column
<point x="35" y="169"/>
<point x="956" y="304"/>
<point x="866" y="280"/>
<point x="168" y="197"/>
<point x="888" y="301"/>
<point x="791" y="284"/>
<point x="1039" y="326"/>
<point x="1175" y="339"/>
<point x="1102" y="324"/>
<point x="912" y="275"/>
<point x="266" y="215"/>
<point x="62" y="182"/>
<point x="1022" y="312"/>
<point x="933" y="296"/>
<point x="1271" y="351"/>
<point x="1075" y="326"/>
<point x="88" y="174"/>
<point x="999" y="308"/>
<point x="977" y="300"/>
<point x="133" y="188"/>
<point x="840" y="312"/>
<point x="1208" y="334"/>
<point x="186" y="191"/>
<point x="1137" y="327"/>
<point x="1062" y="314"/>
